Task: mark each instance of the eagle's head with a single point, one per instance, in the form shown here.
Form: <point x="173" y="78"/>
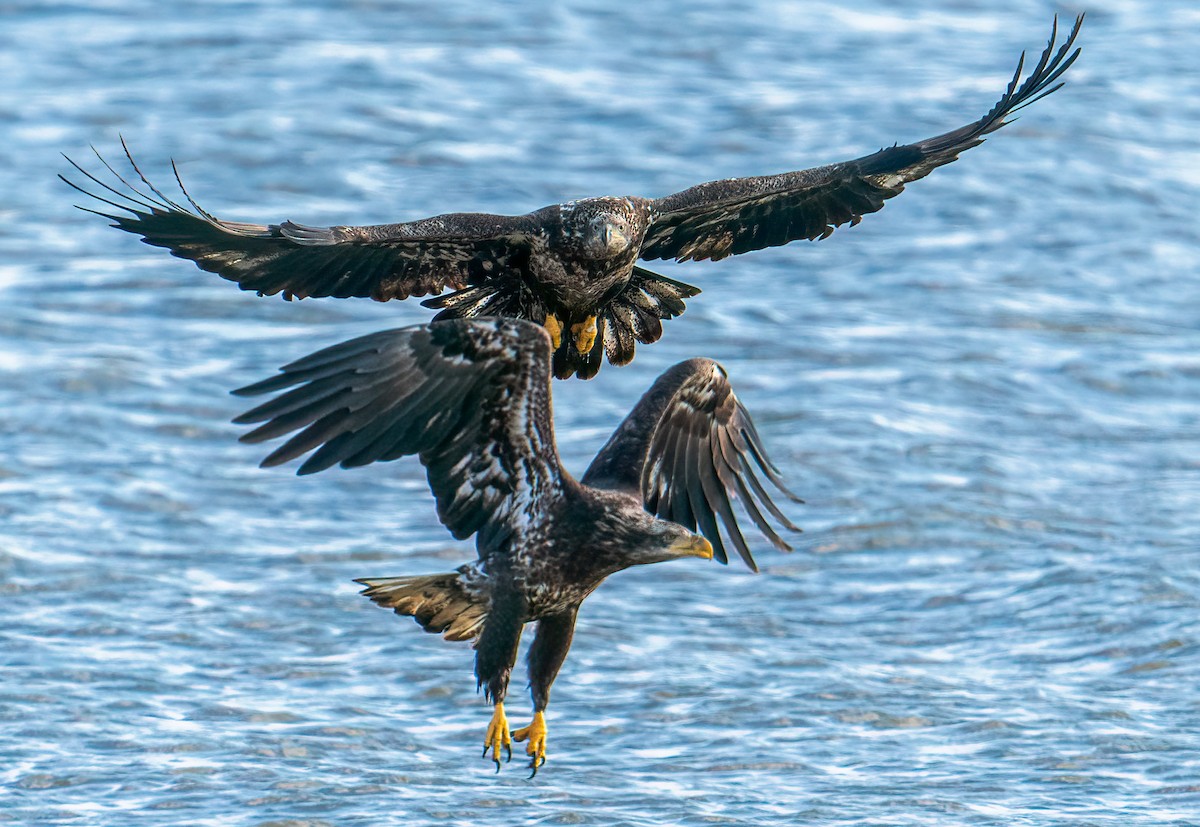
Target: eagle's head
<point x="627" y="535"/>
<point x="603" y="228"/>
<point x="657" y="541"/>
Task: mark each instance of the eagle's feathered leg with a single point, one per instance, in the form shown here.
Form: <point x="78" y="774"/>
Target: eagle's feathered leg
<point x="546" y="656"/>
<point x="495" y="654"/>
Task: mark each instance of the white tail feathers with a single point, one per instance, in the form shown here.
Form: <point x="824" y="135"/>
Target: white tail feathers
<point x="436" y="601"/>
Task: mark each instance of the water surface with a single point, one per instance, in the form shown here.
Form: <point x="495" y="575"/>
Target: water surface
<point x="987" y="394"/>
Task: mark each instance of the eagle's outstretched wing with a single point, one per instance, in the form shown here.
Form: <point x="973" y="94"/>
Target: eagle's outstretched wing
<point x="688" y="448"/>
<point x="386" y="261"/>
<point x="724" y="218"/>
<point x="470" y="397"/>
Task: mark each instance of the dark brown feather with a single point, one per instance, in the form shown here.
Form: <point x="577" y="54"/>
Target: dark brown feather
<point x="382" y="262"/>
<point x="471" y="398"/>
<point x="688" y="449"/>
<point x="723" y="218"/>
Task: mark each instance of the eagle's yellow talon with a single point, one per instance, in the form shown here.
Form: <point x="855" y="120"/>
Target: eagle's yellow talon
<point x="535" y="733"/>
<point x="554" y="328"/>
<point x="585" y="334"/>
<point x="497" y="737"/>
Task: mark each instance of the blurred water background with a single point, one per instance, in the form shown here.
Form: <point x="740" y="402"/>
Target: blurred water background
<point x="987" y="394"/>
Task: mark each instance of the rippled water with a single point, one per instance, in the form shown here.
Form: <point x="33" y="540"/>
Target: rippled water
<point x="987" y="393"/>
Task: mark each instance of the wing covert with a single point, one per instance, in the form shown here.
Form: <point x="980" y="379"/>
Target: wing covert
<point x="470" y="397"/>
<point x="688" y="449"/>
<point x="723" y="218"/>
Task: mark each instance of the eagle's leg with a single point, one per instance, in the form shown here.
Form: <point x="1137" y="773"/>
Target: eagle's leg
<point x="546" y="655"/>
<point x="584" y="334"/>
<point x="535" y="733"/>
<point x="495" y="653"/>
<point x="498" y="737"/>
<point x="554" y="328"/>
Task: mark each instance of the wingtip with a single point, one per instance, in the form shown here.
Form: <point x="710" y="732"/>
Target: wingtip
<point x="247" y="390"/>
<point x="318" y="462"/>
<point x="255" y="437"/>
<point x="275" y="458"/>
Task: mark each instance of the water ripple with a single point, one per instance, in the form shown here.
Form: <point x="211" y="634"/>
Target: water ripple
<point x="986" y="394"/>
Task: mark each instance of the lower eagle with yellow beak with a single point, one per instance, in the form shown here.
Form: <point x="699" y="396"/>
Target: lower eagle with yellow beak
<point x="471" y="399"/>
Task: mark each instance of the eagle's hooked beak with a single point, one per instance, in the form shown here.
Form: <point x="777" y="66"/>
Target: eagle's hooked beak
<point x="694" y="546"/>
<point x="614" y="240"/>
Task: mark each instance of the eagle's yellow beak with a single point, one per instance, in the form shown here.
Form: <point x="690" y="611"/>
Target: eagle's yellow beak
<point x="694" y="546"/>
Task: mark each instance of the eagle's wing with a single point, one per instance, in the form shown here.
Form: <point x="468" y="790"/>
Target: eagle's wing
<point x="688" y="449"/>
<point x="386" y="261"/>
<point x="723" y="218"/>
<point x="470" y="397"/>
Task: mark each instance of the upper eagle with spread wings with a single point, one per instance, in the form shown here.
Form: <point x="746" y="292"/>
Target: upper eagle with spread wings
<point x="571" y="267"/>
<point x="471" y="398"/>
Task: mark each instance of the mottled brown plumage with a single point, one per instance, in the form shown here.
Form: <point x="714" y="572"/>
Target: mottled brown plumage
<point x="471" y="398"/>
<point x="571" y="266"/>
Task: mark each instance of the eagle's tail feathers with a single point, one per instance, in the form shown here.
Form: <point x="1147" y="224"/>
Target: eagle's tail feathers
<point x="436" y="601"/>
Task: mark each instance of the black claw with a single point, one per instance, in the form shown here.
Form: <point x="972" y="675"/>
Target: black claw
<point x="508" y="749"/>
<point x="534" y="766"/>
<point x="495" y="757"/>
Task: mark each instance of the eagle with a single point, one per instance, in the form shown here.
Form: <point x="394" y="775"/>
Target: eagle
<point x="471" y="398"/>
<point x="572" y="267"/>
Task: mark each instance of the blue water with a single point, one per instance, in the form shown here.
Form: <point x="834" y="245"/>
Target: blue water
<point x="987" y="394"/>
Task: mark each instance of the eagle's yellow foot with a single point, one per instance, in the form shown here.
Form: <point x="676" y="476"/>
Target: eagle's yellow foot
<point x="536" y="735"/>
<point x="554" y="328"/>
<point x="585" y="334"/>
<point x="497" y="737"/>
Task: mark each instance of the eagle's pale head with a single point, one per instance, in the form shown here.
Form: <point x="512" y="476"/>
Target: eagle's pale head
<point x="604" y="228"/>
